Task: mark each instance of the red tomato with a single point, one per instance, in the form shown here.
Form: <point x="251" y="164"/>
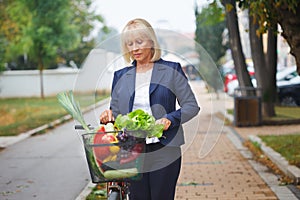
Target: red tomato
<point x="101" y="152"/>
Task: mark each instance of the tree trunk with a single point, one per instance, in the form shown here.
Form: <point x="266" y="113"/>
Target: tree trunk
<point x="264" y="66"/>
<point x="235" y="44"/>
<point x="41" y="69"/>
<point x="290" y="24"/>
<point x="271" y="64"/>
<point x="42" y="84"/>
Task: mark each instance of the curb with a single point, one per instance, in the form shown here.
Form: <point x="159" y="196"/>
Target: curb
<point x="290" y="192"/>
<point x="291" y="171"/>
<point x="6" y="141"/>
<point x="86" y="191"/>
<point x="282" y="192"/>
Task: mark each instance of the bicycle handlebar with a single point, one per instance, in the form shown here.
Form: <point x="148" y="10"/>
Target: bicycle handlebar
<point x="80" y="127"/>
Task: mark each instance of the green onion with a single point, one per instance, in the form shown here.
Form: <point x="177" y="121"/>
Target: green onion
<point x="67" y="100"/>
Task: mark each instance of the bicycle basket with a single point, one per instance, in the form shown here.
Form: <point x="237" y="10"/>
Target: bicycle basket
<point x="110" y="159"/>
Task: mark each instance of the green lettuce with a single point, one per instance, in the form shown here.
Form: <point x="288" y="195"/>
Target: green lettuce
<point x="139" y="120"/>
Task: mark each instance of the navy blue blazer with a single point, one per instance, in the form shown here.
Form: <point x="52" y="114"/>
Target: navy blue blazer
<point x="168" y="85"/>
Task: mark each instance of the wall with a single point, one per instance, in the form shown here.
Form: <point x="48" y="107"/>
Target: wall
<point x="95" y="74"/>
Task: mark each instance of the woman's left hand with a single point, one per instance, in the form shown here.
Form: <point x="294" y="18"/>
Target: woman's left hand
<point x="166" y="122"/>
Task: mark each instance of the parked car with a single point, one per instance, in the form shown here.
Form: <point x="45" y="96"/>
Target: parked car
<point x="233" y="84"/>
<point x="284" y="77"/>
<point x="289" y="92"/>
<point x="230" y="78"/>
<point x="289" y="95"/>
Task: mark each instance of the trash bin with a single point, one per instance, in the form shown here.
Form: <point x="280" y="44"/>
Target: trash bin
<point x="247" y="106"/>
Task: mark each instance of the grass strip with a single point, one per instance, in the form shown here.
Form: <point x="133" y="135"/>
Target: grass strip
<point x="18" y="115"/>
<point x="282" y="113"/>
<point x="287" y="145"/>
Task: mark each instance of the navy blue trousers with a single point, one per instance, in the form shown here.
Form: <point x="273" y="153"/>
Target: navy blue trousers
<point x="162" y="167"/>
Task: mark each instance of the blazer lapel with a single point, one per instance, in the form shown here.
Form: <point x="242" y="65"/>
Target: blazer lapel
<point x="130" y="80"/>
<point x="157" y="76"/>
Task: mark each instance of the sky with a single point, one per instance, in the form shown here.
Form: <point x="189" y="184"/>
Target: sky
<point x="175" y="15"/>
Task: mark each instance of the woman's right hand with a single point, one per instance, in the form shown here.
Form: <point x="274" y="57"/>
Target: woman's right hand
<point x="106" y="116"/>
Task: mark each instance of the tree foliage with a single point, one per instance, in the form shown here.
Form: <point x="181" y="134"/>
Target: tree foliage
<point x="13" y="25"/>
<point x="48" y="28"/>
<point x="56" y="31"/>
<point x="267" y="13"/>
<point x="3" y="33"/>
<point x="44" y="33"/>
<point x="83" y="18"/>
<point x="284" y="12"/>
<point x="210" y="26"/>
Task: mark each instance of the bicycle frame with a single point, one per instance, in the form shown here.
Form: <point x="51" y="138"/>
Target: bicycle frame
<point x="117" y="190"/>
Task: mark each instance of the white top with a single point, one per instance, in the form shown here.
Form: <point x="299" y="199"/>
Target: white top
<point x="142" y="99"/>
<point x="142" y="85"/>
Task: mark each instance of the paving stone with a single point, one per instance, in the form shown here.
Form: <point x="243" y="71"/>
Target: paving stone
<point x="227" y="171"/>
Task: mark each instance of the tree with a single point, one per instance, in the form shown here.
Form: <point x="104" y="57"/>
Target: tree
<point x="45" y="27"/>
<point x="289" y="20"/>
<point x="83" y="18"/>
<point x="3" y="33"/>
<point x="210" y="26"/>
<point x="50" y="29"/>
<point x="11" y="23"/>
<point x="16" y="41"/>
<point x="283" y="12"/>
<point x="264" y="16"/>
<point x="265" y="65"/>
<point x="235" y="44"/>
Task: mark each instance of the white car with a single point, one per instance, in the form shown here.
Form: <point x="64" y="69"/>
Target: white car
<point x="286" y="76"/>
<point x="232" y="85"/>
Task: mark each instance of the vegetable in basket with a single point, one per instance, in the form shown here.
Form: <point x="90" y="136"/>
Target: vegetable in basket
<point x="67" y="100"/>
<point x="121" y="173"/>
<point x="139" y="120"/>
<point x="134" y="154"/>
<point x="102" y="152"/>
<point x="98" y="156"/>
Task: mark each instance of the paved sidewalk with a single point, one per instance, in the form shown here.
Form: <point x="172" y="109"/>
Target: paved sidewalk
<point x="227" y="171"/>
<point x="223" y="174"/>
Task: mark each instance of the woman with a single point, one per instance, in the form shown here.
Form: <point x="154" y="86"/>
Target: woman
<point x="154" y="85"/>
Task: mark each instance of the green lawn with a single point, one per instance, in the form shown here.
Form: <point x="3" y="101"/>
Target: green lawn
<point x="287" y="145"/>
<point x="18" y="115"/>
<point x="282" y="113"/>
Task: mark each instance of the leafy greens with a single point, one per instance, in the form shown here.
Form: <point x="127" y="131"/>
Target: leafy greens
<point x="67" y="101"/>
<point x="139" y="120"/>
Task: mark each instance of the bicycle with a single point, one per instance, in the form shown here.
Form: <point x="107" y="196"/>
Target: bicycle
<point x="115" y="162"/>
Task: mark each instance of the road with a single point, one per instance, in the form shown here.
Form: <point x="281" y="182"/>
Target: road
<point x="47" y="166"/>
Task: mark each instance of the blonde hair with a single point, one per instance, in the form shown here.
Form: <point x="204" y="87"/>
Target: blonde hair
<point x="142" y="27"/>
